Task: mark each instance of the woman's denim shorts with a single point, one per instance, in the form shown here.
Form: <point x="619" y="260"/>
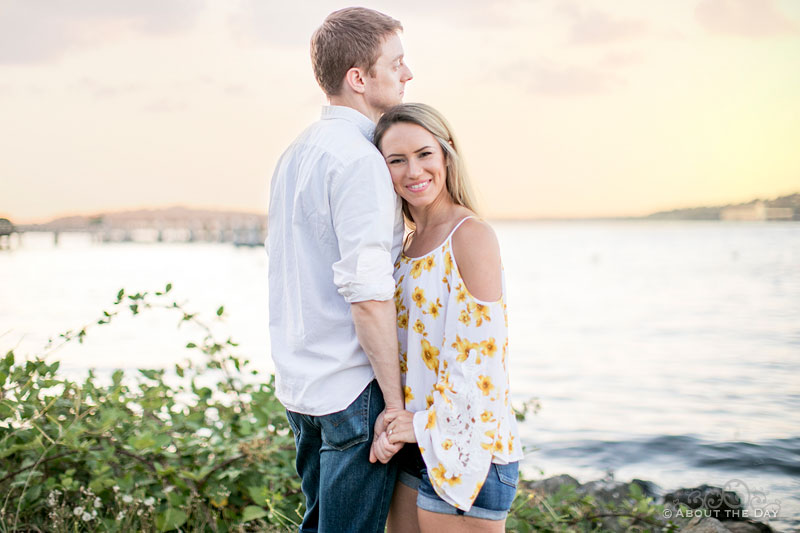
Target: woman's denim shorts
<point x="493" y="501"/>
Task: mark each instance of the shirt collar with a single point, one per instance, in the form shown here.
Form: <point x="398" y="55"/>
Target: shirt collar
<point x="365" y="125"/>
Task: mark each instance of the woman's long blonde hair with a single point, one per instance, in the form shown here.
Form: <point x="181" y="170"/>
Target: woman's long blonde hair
<point x="457" y="182"/>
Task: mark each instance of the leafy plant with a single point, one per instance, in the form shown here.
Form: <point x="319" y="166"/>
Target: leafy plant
<point x="206" y="447"/>
<point x="568" y="510"/>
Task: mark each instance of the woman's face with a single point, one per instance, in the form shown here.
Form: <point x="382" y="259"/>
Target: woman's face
<point x="416" y="163"/>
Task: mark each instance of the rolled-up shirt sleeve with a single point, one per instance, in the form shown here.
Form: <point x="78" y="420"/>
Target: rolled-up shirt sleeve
<point x="363" y="208"/>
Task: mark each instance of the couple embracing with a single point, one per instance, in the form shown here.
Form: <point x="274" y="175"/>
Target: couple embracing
<point x="391" y="353"/>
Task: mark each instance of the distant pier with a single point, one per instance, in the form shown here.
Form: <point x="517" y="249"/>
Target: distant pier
<point x="236" y="232"/>
<point x="170" y="225"/>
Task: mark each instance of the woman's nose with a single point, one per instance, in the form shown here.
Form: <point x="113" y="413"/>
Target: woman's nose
<point x="414" y="169"/>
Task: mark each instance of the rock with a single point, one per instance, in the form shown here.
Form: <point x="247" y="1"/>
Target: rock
<point x="704" y="524"/>
<point x="608" y="495"/>
<point x="719" y="502"/>
<point x="606" y="491"/>
<point x="747" y="526"/>
<point x="552" y="484"/>
<point x="648" y="487"/>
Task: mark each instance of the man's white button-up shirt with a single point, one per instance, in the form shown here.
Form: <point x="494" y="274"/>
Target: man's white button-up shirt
<point x="335" y="230"/>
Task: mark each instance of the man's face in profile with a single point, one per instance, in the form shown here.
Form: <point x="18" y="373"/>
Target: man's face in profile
<point x="385" y="83"/>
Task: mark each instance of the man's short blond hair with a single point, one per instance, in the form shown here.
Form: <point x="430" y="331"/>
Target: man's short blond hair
<point x="350" y="37"/>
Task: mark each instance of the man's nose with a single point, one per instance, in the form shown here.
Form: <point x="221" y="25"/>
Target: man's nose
<point x="408" y="74"/>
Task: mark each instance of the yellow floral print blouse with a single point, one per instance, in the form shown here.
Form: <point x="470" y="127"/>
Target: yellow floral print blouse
<point x="454" y="364"/>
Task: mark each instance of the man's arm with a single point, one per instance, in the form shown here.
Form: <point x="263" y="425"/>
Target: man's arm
<point x="376" y="327"/>
<point x="363" y="210"/>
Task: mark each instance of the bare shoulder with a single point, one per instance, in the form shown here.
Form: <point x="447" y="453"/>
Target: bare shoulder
<point x="477" y="254"/>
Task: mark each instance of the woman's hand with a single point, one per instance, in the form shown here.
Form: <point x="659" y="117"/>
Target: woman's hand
<point x="382" y="450"/>
<point x="401" y="429"/>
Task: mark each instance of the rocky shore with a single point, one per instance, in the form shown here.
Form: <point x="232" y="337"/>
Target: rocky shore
<point x="703" y="509"/>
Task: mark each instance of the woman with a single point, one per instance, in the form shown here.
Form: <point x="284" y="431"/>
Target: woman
<point x="462" y="472"/>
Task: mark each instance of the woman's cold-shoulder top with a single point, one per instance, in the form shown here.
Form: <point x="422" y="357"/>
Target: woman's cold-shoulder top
<point x="454" y="365"/>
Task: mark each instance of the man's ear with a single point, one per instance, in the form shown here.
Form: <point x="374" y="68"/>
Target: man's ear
<point x="354" y="78"/>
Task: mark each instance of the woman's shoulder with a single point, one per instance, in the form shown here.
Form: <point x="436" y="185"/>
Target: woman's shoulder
<point x="475" y="234"/>
<point x="476" y="251"/>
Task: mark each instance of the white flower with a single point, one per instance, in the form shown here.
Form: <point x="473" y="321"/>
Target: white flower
<point x="51" y="498"/>
<point x="169" y="489"/>
<point x="98" y="503"/>
<point x="120" y="515"/>
<point x="127" y="498"/>
<point x="77" y="511"/>
<point x="115" y="488"/>
<point x="86" y="517"/>
<point x="149" y="501"/>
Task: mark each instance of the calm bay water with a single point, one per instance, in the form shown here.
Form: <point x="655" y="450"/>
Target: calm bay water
<point x="668" y="351"/>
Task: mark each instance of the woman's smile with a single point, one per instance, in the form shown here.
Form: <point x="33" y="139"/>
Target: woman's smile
<point x="419" y="187"/>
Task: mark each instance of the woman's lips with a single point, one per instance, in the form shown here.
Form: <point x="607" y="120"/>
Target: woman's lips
<point x="418" y="187"/>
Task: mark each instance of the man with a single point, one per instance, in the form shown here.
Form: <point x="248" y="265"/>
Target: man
<point x="335" y="229"/>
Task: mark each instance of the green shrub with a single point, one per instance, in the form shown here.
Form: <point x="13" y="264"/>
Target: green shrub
<point x="568" y="510"/>
<point x="207" y="447"/>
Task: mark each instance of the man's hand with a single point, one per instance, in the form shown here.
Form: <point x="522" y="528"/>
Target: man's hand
<point x="382" y="450"/>
<point x="401" y="428"/>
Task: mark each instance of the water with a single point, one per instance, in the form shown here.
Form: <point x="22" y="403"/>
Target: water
<point x="667" y="351"/>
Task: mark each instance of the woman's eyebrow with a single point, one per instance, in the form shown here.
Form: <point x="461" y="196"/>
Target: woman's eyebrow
<point x="415" y="151"/>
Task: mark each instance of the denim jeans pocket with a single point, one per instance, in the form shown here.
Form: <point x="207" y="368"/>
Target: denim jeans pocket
<point x="348" y="427"/>
<point x="507" y="474"/>
<point x="290" y="417"/>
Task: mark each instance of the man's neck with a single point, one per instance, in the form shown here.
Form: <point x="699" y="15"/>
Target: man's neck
<point x="356" y="102"/>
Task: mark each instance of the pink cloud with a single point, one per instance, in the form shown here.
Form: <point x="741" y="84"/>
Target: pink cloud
<point x="596" y="27"/>
<point x="744" y="18"/>
<point x="40" y="32"/>
<point x="569" y="80"/>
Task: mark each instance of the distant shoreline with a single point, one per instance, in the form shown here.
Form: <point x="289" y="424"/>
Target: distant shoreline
<point x="783" y="208"/>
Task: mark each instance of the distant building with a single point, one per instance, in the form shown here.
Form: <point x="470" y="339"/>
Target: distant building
<point x="6" y="227"/>
<point x="780" y="213"/>
<point x="756" y="211"/>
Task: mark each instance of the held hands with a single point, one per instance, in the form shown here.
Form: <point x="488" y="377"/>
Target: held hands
<point x="401" y="428"/>
<point x="382" y="450"/>
<point x="389" y="435"/>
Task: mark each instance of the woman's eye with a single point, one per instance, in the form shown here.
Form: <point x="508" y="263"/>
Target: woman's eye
<point x="393" y="161"/>
<point x="425" y="154"/>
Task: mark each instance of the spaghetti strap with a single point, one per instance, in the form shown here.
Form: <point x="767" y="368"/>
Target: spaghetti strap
<point x="444" y="242"/>
<point x="458" y="226"/>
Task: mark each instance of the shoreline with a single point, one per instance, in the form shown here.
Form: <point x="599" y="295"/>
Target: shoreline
<point x="700" y="509"/>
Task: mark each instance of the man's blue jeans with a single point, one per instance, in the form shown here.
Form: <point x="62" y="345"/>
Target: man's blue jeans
<point x="343" y="490"/>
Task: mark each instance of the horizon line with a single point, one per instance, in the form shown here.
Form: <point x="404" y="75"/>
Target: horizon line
<point x="33" y="221"/>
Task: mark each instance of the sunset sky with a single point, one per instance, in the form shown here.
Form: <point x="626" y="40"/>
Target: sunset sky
<point x="563" y="108"/>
